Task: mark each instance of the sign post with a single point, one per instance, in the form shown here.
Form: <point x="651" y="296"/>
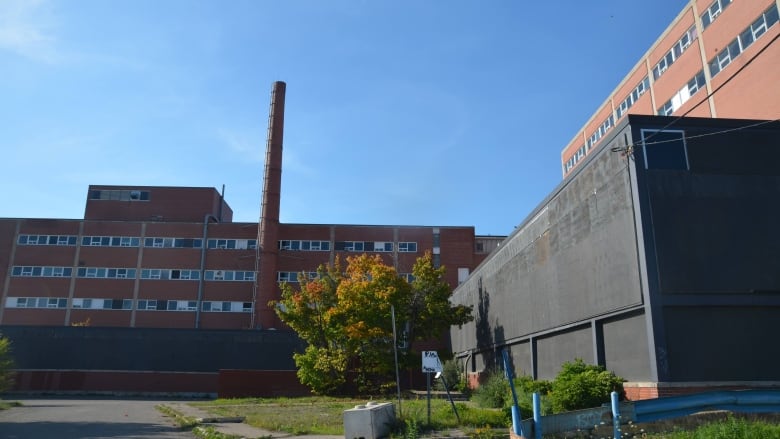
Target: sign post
<point x="430" y="364"/>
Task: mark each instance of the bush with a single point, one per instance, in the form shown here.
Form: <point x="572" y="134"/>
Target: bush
<point x="494" y="392"/>
<point x="6" y="365"/>
<point x="579" y="386"/>
<point x="452" y="372"/>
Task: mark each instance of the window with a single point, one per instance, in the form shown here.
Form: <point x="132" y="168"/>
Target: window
<point x="407" y="247"/>
<point x="144" y="305"/>
<point x="744" y="40"/>
<point x="108" y="273"/>
<point x="675" y="52"/>
<point x="36" y="302"/>
<point x="110" y="241"/>
<point x="683" y="95"/>
<point x="713" y="11"/>
<point x="238" y="244"/>
<point x="119" y="195"/>
<point x="383" y="246"/>
<point x="227" y="306"/>
<point x="31" y="271"/>
<point x="350" y="246"/>
<point x="227" y="275"/>
<point x="46" y="240"/>
<point x="304" y="245"/>
<point x="173" y="242"/>
<point x="632" y="97"/>
<point x="665" y="149"/>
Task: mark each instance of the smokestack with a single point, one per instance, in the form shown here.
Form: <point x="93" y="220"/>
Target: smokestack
<point x="268" y="226"/>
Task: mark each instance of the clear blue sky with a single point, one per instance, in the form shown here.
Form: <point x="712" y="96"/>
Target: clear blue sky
<point x="424" y="112"/>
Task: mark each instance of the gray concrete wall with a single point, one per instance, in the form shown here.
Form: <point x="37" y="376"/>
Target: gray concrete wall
<point x="625" y="348"/>
<point x="554" y="350"/>
<point x="573" y="260"/>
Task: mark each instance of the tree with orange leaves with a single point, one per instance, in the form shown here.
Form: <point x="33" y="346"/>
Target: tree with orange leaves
<point x="345" y="318"/>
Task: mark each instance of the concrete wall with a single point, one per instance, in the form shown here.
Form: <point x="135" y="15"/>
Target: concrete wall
<point x="661" y="267"/>
<point x="572" y="263"/>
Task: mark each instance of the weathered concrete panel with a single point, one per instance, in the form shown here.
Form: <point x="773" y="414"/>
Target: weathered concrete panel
<point x="558" y="348"/>
<point x="625" y="347"/>
<point x="574" y="259"/>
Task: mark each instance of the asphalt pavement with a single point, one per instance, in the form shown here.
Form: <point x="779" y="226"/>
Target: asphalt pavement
<point x="87" y="418"/>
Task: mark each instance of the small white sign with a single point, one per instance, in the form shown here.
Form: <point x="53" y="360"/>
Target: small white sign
<point x="431" y="362"/>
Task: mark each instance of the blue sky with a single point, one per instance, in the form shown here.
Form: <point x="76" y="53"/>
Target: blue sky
<point x="426" y="112"/>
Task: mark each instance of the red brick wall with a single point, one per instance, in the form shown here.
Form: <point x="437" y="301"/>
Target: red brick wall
<point x="115" y="381"/>
<point x="260" y="383"/>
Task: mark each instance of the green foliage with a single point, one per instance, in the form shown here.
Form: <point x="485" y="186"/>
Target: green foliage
<point x="321" y="369"/>
<point x="345" y="318"/>
<point x="494" y="392"/>
<point x="6" y="365"/>
<point x="411" y="430"/>
<point x="579" y="385"/>
<point x="452" y="374"/>
<point x="526" y="384"/>
<point x="729" y="428"/>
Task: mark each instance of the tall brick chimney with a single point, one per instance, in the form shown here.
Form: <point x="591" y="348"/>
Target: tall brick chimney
<point x="269" y="217"/>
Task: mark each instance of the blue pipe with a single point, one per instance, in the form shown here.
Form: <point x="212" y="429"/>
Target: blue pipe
<point x="615" y="415"/>
<point x="537" y="416"/>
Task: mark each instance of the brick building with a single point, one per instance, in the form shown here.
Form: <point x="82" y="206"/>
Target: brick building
<point x="718" y="58"/>
<point x="170" y="258"/>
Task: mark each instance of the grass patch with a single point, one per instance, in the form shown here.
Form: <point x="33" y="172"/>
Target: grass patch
<point x="324" y="415"/>
<point x="5" y="405"/>
<point x="300" y="416"/>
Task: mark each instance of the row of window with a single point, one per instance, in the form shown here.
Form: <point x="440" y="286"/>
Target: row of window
<point x="600" y="132"/>
<point x="682" y="96"/>
<point x="46" y="240"/>
<point x="106" y="273"/>
<point x="41" y="271"/>
<point x="238" y="244"/>
<point x="169" y="274"/>
<point x="744" y="40"/>
<point x="630" y="100"/>
<point x="292" y="276"/>
<point x="110" y="241"/>
<point x="355" y="246"/>
<point x="130" y="273"/>
<point x="713" y="11"/>
<point x="578" y="155"/>
<point x="130" y="241"/>
<point x="371" y="246"/>
<point x="126" y="304"/>
<point x="295" y="244"/>
<point x="119" y="195"/>
<point x="674" y="53"/>
<point x="228" y="275"/>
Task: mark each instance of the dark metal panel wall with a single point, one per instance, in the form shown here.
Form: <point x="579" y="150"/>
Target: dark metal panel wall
<point x="554" y="350"/>
<point x="140" y="349"/>
<point x="625" y="347"/>
<point x="723" y="343"/>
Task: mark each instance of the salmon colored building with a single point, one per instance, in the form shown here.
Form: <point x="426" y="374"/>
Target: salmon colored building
<point x="718" y="58"/>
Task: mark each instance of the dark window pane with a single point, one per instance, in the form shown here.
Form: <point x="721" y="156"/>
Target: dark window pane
<point x="665" y="150"/>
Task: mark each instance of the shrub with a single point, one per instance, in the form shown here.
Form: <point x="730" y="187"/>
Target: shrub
<point x="452" y="372"/>
<point x="579" y="385"/>
<point x="6" y="365"/>
<point x="494" y="392"/>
